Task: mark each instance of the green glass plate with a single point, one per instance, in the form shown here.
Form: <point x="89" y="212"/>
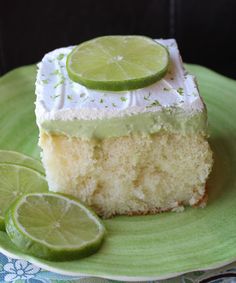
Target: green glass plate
<point x="145" y="247"/>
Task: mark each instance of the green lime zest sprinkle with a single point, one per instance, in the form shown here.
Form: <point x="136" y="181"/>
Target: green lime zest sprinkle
<point x="114" y="105"/>
<point x="155" y="103"/>
<point x="56" y="72"/>
<point x="59" y="83"/>
<point x="166" y="89"/>
<point x="82" y="95"/>
<point x="69" y="97"/>
<point x="180" y="91"/>
<point x="147" y="97"/>
<point x="45" y="81"/>
<point x="123" y="99"/>
<point x="101" y="100"/>
<point x="60" y="56"/>
<point x="55" y="96"/>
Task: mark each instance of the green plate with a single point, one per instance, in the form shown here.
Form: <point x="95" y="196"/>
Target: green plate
<point x="145" y="247"/>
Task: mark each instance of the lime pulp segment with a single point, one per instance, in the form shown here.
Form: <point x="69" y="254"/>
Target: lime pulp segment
<point x="54" y="226"/>
<point x="118" y="62"/>
<point x="16" y="180"/>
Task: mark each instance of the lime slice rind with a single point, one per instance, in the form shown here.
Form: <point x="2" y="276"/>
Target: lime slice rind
<point x="116" y="85"/>
<point x="72" y="201"/>
<point x="109" y="72"/>
<point x="2" y="223"/>
<point x="17" y="158"/>
<point x="21" y="233"/>
<point x="16" y="180"/>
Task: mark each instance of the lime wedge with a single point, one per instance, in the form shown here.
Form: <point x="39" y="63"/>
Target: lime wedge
<point x="54" y="227"/>
<point x="13" y="157"/>
<point x="118" y="62"/>
<point x="16" y="180"/>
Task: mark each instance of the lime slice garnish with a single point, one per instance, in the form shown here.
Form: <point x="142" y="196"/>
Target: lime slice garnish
<point x="54" y="227"/>
<point x="13" y="157"/>
<point x="118" y="62"/>
<point x="16" y="180"/>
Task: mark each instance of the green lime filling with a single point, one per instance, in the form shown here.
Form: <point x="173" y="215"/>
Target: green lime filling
<point x="171" y="120"/>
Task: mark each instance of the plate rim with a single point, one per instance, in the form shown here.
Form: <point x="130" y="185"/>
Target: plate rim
<point x="45" y="266"/>
<point x="33" y="260"/>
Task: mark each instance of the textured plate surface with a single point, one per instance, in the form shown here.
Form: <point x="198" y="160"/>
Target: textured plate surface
<point x="145" y="247"/>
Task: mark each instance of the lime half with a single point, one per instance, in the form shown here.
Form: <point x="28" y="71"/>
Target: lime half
<point x="118" y="62"/>
<point x="16" y="180"/>
<point x="13" y="157"/>
<point x="54" y="227"/>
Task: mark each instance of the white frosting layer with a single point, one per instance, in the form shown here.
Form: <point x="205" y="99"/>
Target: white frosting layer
<point x="59" y="98"/>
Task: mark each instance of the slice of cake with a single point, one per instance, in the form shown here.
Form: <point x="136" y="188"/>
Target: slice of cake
<point x="130" y="152"/>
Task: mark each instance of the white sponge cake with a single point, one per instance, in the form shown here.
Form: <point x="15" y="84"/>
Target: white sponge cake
<point x="132" y="152"/>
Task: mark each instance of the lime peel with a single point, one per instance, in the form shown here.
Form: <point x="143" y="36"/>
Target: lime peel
<point x="82" y="222"/>
<point x="17" y="158"/>
<point x="16" y="180"/>
<point x="118" y="63"/>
